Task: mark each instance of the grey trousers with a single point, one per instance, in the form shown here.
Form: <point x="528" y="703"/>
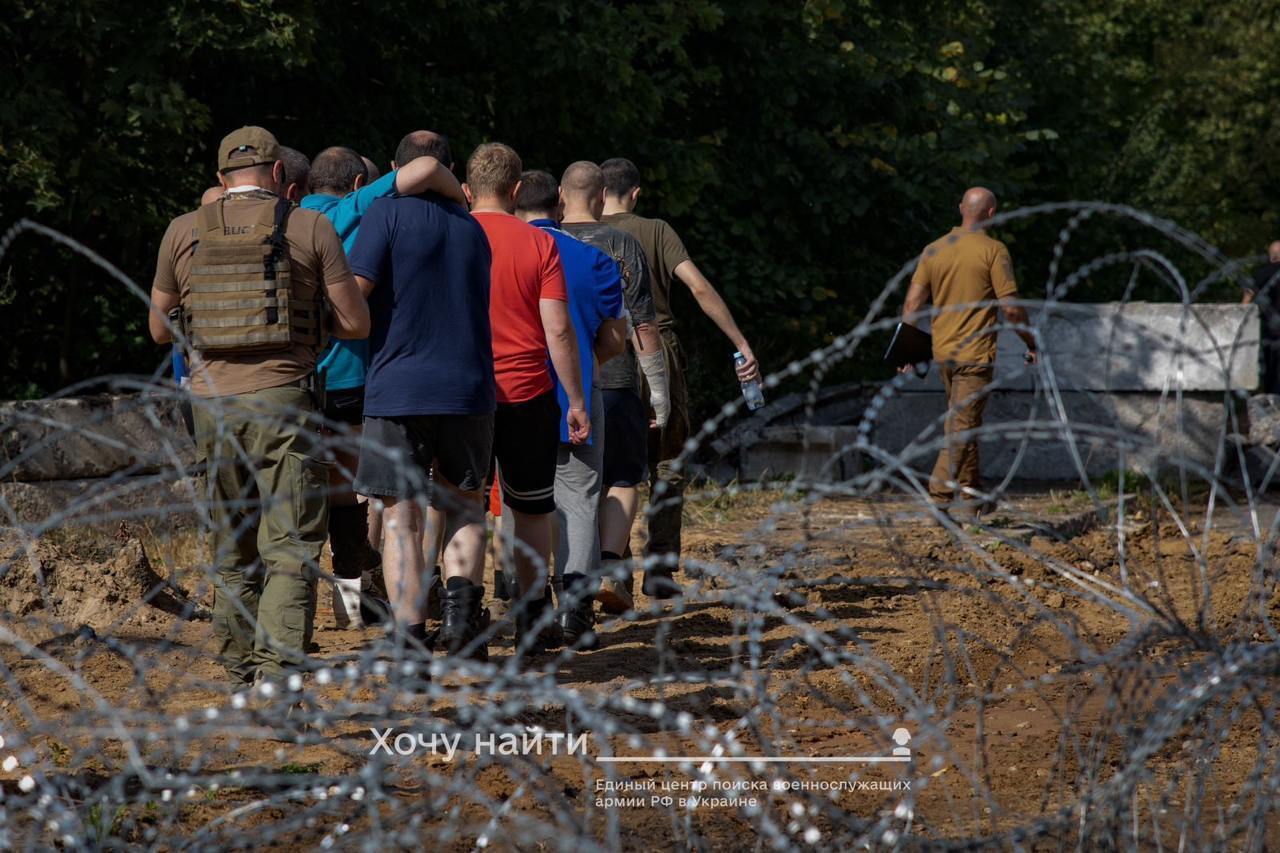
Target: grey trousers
<point x="578" y="478"/>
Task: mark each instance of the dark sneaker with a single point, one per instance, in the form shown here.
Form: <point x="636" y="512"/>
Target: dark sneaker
<point x="531" y="615"/>
<point x="659" y="584"/>
<point x="462" y="621"/>
<point x="576" y="614"/>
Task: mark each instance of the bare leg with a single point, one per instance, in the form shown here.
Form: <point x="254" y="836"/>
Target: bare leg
<point x="375" y="526"/>
<point x="535" y="535"/>
<point x="402" y="563"/>
<point x="433" y="541"/>
<point x="617" y="516"/>
<point x="463" y="533"/>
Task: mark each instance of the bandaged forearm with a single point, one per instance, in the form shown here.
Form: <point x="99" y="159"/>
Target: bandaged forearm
<point x="654" y="365"/>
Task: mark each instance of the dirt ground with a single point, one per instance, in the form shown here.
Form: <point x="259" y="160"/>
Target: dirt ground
<point x="1064" y="672"/>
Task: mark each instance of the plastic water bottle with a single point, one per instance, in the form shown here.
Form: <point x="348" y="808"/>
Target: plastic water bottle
<point x="751" y="391"/>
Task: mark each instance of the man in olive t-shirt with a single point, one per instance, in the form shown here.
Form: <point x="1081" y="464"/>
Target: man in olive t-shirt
<point x="266" y="475"/>
<point x="668" y="261"/>
<point x="968" y="277"/>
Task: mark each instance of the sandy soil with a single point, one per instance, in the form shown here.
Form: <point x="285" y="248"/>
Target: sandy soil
<point x="1046" y="665"/>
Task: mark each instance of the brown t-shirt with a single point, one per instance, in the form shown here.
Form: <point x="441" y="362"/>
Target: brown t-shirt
<point x="662" y="249"/>
<point x="965" y="272"/>
<point x="316" y="261"/>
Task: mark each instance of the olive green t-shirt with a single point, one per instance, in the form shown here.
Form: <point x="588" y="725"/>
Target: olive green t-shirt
<point x="316" y="261"/>
<point x="965" y="272"/>
<point x="662" y="249"/>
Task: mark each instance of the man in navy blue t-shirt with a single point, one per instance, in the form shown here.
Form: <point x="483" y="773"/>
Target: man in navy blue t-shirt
<point x="594" y="283"/>
<point x="423" y="262"/>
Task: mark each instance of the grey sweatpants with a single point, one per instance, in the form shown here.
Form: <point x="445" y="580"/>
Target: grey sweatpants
<point x="578" y="476"/>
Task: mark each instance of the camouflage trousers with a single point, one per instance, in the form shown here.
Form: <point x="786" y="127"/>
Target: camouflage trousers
<point x="268" y="508"/>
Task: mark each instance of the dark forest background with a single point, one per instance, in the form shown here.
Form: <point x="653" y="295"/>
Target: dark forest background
<point x="804" y="150"/>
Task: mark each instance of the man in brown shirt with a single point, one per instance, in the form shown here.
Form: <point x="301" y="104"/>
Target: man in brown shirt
<point x="254" y="424"/>
<point x="968" y="277"/>
<point x="668" y="261"/>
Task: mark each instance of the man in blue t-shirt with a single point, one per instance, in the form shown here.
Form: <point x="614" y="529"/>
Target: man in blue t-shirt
<point x="430" y="394"/>
<point x="342" y="192"/>
<point x="595" y="303"/>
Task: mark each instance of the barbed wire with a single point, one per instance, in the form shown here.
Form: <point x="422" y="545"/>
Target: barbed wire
<point x="1090" y="665"/>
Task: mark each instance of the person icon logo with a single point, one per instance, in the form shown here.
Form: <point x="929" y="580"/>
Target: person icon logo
<point x="901" y="737"/>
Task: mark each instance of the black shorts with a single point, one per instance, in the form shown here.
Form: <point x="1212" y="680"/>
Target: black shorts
<point x="526" y="444"/>
<point x="397" y="453"/>
<point x="345" y="406"/>
<point x="626" y="446"/>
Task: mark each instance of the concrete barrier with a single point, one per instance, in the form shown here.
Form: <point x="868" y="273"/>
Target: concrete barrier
<point x="1134" y="346"/>
<point x="1139" y="383"/>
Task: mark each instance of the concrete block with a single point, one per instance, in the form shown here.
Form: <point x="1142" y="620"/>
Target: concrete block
<point x="1134" y="346"/>
<point x="95" y="436"/>
<point x="1024" y="436"/>
<point x="807" y="453"/>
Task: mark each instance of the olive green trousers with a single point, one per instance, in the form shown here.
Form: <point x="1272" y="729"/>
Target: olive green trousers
<point x="268" y="507"/>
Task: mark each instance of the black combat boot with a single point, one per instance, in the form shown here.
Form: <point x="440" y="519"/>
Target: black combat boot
<point x="659" y="583"/>
<point x="462" y="620"/>
<point x="530" y="618"/>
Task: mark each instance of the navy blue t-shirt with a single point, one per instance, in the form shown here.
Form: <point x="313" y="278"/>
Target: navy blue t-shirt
<point x="430" y="349"/>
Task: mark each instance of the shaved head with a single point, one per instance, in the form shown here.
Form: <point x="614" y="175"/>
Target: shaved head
<point x="978" y="205"/>
<point x="1273" y="251"/>
<point x="582" y="180"/>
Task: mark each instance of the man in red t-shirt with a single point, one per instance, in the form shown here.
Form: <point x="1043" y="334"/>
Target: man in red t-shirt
<point x="529" y="318"/>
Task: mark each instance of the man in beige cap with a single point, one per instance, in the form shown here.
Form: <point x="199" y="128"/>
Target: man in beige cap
<point x="968" y="277"/>
<point x="258" y="280"/>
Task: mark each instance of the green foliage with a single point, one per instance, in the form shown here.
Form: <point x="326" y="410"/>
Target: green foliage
<point x="804" y="151"/>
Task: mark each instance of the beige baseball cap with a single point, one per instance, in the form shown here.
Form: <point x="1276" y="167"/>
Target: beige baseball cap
<point x="248" y="146"/>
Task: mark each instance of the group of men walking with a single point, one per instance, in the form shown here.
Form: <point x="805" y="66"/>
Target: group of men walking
<point x="511" y="332"/>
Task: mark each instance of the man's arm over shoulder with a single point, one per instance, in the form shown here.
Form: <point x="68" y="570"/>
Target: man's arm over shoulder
<point x="350" y="311"/>
<point x="362" y="199"/>
<point x="427" y="174"/>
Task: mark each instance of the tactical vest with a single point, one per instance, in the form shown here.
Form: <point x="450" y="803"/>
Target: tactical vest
<point x="240" y="297"/>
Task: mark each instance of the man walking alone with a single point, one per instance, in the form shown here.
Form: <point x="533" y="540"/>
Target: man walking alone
<point x="968" y="277"/>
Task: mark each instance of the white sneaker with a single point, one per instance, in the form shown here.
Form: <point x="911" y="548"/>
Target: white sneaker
<point x="346" y="601"/>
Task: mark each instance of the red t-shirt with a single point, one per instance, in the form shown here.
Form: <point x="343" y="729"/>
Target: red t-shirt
<point x="526" y="268"/>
